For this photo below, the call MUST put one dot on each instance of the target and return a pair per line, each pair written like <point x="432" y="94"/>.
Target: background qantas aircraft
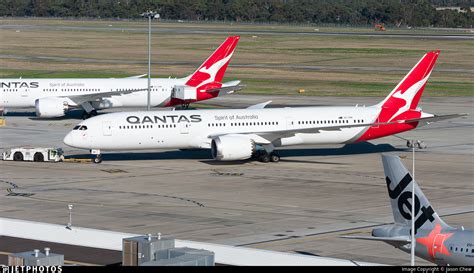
<point x="54" y="97"/>
<point x="436" y="241"/>
<point x="237" y="134"/>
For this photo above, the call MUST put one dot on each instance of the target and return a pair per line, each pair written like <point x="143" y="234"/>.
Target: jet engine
<point x="51" y="107"/>
<point x="232" y="147"/>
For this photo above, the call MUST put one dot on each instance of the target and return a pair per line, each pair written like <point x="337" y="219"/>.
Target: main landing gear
<point x="265" y="157"/>
<point x="420" y="144"/>
<point x="414" y="143"/>
<point x="86" y="115"/>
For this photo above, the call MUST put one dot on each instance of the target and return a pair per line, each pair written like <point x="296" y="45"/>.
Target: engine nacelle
<point x="51" y="107"/>
<point x="232" y="147"/>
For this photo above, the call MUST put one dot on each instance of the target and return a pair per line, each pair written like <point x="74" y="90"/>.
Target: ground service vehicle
<point x="34" y="154"/>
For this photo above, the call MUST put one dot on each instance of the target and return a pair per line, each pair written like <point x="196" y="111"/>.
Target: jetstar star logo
<point x="434" y="242"/>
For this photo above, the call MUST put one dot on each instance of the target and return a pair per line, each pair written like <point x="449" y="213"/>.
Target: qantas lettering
<point x="164" y="119"/>
<point x="19" y="84"/>
<point x="404" y="202"/>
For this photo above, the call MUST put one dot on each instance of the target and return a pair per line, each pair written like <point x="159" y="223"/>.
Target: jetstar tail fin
<point x="399" y="185"/>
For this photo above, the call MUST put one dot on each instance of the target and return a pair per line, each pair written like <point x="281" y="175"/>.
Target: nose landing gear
<point x="98" y="156"/>
<point x="97" y="159"/>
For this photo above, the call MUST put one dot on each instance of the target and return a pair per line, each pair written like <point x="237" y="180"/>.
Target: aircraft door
<point x="24" y="92"/>
<point x="184" y="128"/>
<point x="107" y="128"/>
<point x="290" y="123"/>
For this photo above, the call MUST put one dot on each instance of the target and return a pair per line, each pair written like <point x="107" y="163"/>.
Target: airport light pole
<point x="69" y="224"/>
<point x="413" y="239"/>
<point x="150" y="15"/>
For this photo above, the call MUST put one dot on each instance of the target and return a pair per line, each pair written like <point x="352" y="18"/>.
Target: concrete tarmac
<point x="301" y="204"/>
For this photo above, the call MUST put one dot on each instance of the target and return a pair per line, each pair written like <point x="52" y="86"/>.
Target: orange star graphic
<point x="434" y="242"/>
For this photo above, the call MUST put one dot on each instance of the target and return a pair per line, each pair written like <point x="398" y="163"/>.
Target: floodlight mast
<point x="150" y="15"/>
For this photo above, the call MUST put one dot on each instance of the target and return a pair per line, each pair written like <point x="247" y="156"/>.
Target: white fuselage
<point x="22" y="93"/>
<point x="195" y="128"/>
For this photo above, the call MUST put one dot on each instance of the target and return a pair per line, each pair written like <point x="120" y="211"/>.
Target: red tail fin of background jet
<point x="210" y="73"/>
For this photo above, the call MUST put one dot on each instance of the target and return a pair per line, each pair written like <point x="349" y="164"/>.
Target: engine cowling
<point x="51" y="107"/>
<point x="233" y="147"/>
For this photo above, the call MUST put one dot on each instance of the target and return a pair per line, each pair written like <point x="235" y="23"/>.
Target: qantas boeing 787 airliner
<point x="54" y="97"/>
<point x="238" y="134"/>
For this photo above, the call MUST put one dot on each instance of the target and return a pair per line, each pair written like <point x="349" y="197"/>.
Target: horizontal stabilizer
<point x="428" y="120"/>
<point x="260" y="105"/>
<point x="227" y="88"/>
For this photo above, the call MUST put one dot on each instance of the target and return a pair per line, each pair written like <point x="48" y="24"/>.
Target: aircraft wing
<point x="267" y="137"/>
<point x="259" y="105"/>
<point x="397" y="241"/>
<point x="227" y="88"/>
<point x="80" y="99"/>
<point x="136" y="77"/>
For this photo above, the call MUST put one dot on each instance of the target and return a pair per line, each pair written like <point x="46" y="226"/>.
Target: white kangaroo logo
<point x="408" y="95"/>
<point x="213" y="69"/>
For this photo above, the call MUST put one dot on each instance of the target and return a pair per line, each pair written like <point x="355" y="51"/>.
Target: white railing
<point x="112" y="240"/>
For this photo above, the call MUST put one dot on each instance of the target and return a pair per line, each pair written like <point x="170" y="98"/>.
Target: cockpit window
<point x="76" y="127"/>
<point x="83" y="128"/>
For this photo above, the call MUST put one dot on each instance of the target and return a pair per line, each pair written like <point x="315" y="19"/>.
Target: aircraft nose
<point x="69" y="139"/>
